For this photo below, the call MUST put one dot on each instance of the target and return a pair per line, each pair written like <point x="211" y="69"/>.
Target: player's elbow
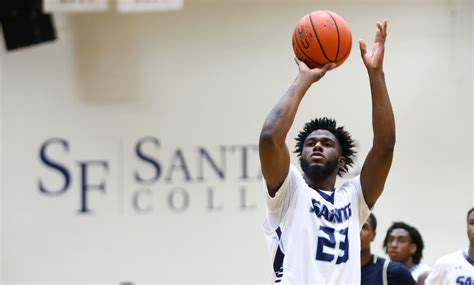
<point x="268" y="136"/>
<point x="390" y="144"/>
<point x="385" y="144"/>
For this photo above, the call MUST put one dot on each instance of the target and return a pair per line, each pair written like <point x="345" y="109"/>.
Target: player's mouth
<point x="392" y="253"/>
<point x="317" y="154"/>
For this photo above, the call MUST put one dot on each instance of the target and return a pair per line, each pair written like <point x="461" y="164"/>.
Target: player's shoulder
<point x="295" y="173"/>
<point x="397" y="267"/>
<point x="449" y="258"/>
<point x="399" y="274"/>
<point x="421" y="268"/>
<point x="294" y="176"/>
<point x="351" y="183"/>
<point x="294" y="170"/>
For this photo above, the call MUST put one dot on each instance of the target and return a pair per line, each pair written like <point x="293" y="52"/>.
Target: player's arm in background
<point x="422" y="278"/>
<point x="379" y="159"/>
<point x="273" y="151"/>
<point x="438" y="275"/>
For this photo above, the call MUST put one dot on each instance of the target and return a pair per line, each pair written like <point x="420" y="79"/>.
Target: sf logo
<point x="84" y="169"/>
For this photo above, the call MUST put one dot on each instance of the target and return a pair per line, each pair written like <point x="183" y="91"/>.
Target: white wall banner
<point x="127" y="6"/>
<point x="75" y="5"/>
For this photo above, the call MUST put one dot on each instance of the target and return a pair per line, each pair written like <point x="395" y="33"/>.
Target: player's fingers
<point x="382" y="28"/>
<point x="363" y="47"/>
<point x="297" y="61"/>
<point x="328" y="66"/>
<point x="385" y="25"/>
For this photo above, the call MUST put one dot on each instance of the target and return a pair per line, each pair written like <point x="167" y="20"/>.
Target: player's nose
<point x="393" y="243"/>
<point x="318" y="146"/>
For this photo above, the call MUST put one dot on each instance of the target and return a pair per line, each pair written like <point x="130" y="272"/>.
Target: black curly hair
<point x="372" y="220"/>
<point x="469" y="212"/>
<point x="344" y="138"/>
<point x="415" y="238"/>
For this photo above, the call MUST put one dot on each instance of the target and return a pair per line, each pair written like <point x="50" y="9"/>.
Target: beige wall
<point x="206" y="77"/>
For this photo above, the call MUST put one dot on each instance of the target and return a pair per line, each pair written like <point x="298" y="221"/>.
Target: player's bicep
<point x="275" y="163"/>
<point x="374" y="174"/>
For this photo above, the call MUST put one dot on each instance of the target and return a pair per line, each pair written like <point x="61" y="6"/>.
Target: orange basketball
<point x="322" y="37"/>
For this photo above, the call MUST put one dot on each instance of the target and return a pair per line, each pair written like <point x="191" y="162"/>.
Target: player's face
<point x="367" y="235"/>
<point x="400" y="246"/>
<point x="470" y="228"/>
<point x="321" y="154"/>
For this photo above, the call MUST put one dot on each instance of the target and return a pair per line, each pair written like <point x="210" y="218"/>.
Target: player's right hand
<point x="313" y="75"/>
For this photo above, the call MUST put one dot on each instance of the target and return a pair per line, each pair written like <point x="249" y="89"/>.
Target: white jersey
<point x="314" y="235"/>
<point x="452" y="269"/>
<point x="418" y="269"/>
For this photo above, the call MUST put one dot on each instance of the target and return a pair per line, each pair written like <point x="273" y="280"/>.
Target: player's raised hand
<point x="373" y="59"/>
<point x="313" y="75"/>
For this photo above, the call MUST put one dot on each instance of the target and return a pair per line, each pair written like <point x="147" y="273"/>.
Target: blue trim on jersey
<point x="278" y="261"/>
<point x="278" y="232"/>
<point x="329" y="198"/>
<point x="468" y="259"/>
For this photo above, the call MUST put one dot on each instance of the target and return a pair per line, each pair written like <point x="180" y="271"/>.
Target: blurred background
<point x="130" y="129"/>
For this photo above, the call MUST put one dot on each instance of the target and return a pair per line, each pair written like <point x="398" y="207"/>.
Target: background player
<point x="403" y="243"/>
<point x="376" y="270"/>
<point x="457" y="267"/>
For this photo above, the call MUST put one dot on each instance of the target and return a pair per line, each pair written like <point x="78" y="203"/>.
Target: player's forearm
<point x="279" y="120"/>
<point x="383" y="121"/>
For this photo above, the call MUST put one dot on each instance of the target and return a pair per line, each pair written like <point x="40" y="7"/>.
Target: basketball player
<point x="376" y="270"/>
<point x="457" y="267"/>
<point x="403" y="243"/>
<point x="313" y="226"/>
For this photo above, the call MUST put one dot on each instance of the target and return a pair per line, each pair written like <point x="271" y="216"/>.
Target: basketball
<point x="322" y="37"/>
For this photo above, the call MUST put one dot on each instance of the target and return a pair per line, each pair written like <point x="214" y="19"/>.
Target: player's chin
<point x="317" y="161"/>
<point x="393" y="255"/>
<point x="471" y="236"/>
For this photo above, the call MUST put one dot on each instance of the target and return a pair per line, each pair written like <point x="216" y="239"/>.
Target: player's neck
<point x="470" y="251"/>
<point x="408" y="263"/>
<point x="365" y="257"/>
<point x="322" y="183"/>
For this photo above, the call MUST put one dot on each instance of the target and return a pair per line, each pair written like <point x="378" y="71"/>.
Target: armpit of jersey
<point x="285" y="192"/>
<point x="277" y="206"/>
<point x="364" y="211"/>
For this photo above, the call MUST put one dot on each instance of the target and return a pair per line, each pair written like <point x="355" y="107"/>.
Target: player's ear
<point x="413" y="248"/>
<point x="373" y="236"/>
<point x="341" y="162"/>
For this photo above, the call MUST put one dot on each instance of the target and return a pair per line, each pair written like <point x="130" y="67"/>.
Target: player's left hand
<point x="373" y="59"/>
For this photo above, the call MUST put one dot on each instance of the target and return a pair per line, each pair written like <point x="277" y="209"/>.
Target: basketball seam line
<point x="347" y="52"/>
<point x="319" y="42"/>
<point x="338" y="37"/>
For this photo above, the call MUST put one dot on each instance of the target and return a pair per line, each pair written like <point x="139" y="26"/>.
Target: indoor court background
<point x="155" y="118"/>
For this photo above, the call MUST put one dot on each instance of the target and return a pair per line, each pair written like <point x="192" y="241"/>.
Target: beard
<point x="318" y="171"/>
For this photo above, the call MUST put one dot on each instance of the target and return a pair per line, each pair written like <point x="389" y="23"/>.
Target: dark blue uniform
<point x="397" y="274"/>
